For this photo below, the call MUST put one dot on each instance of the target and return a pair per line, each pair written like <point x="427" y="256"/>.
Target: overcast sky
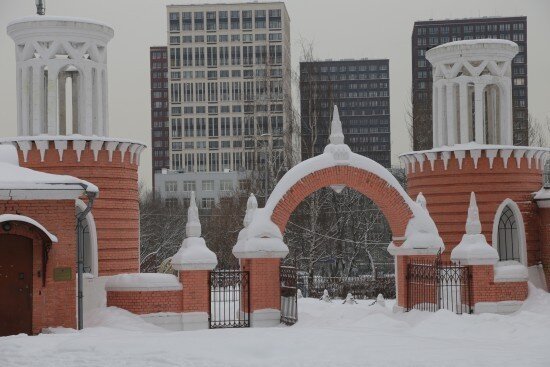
<point x="339" y="29"/>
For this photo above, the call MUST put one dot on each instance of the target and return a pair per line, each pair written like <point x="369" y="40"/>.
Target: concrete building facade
<point x="229" y="87"/>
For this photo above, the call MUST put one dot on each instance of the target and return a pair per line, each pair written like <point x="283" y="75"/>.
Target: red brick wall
<point x="484" y="289"/>
<point x="265" y="286"/>
<point x="144" y="302"/>
<point x="196" y="290"/>
<point x="545" y="241"/>
<point x="55" y="303"/>
<point x="448" y="194"/>
<point x="386" y="197"/>
<point x="116" y="211"/>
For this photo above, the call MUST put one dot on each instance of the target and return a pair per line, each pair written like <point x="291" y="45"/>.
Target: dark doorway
<point x="15" y="284"/>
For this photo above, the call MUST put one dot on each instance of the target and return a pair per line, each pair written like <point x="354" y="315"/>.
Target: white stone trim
<point x="476" y="154"/>
<point x="502" y="308"/>
<point x="25" y="146"/>
<point x="93" y="237"/>
<point x="420" y="159"/>
<point x="460" y="155"/>
<point x="29" y="220"/>
<point x="122" y="147"/>
<point x="505" y="154"/>
<point x="96" y="145"/>
<point x="42" y="146"/>
<point x="431" y="157"/>
<point x="79" y="146"/>
<point x="521" y="228"/>
<point x="518" y="154"/>
<point x="491" y="155"/>
<point x="60" y="146"/>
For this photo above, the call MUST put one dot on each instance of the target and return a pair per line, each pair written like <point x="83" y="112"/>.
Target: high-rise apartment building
<point x="361" y="90"/>
<point x="229" y="87"/>
<point x="158" y="61"/>
<point x="431" y="33"/>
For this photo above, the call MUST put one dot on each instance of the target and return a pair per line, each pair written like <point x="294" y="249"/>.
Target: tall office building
<point x="361" y="90"/>
<point x="158" y="62"/>
<point x="428" y="34"/>
<point x="229" y="87"/>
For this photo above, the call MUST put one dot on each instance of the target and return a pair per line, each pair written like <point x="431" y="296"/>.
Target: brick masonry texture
<point x="116" y="210"/>
<point x="144" y="302"/>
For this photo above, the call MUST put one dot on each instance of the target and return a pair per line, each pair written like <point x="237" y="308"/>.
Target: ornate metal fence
<point x="433" y="285"/>
<point x="289" y="295"/>
<point x="229" y="299"/>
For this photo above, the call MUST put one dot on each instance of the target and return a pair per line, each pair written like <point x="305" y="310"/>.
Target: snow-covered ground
<point x="328" y="334"/>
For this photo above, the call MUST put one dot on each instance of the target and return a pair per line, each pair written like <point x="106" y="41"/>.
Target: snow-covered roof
<point x="484" y="41"/>
<point x="22" y="218"/>
<point x="24" y="183"/>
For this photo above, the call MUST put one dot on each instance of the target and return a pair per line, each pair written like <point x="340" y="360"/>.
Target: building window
<point x="509" y="234"/>
<point x="208" y="185"/>
<point x="207" y="203"/>
<point x="226" y="185"/>
<point x="189" y="186"/>
<point x="171" y="186"/>
<point x="171" y="202"/>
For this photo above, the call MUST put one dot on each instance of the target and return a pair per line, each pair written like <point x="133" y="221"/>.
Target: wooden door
<point x="15" y="284"/>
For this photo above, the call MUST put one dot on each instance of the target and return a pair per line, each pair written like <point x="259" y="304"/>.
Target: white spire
<point x="193" y="226"/>
<point x="251" y="206"/>
<point x="336" y="134"/>
<point x="473" y="225"/>
<point x="421" y="200"/>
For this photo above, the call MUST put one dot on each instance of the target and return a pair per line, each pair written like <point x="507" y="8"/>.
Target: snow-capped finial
<point x="421" y="200"/>
<point x="336" y="134"/>
<point x="251" y="206"/>
<point x="193" y="226"/>
<point x="473" y="225"/>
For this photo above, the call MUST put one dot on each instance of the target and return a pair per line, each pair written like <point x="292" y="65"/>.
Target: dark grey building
<point x="361" y="90"/>
<point x="158" y="62"/>
<point x="431" y="33"/>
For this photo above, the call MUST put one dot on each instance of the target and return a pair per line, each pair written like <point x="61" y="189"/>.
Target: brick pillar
<point x="196" y="290"/>
<point x="265" y="290"/>
<point x="545" y="241"/>
<point x="401" y="281"/>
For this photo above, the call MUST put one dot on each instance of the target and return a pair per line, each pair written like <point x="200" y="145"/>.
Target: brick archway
<point x="390" y="201"/>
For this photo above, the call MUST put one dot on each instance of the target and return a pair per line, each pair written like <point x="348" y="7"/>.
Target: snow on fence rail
<point x="362" y="287"/>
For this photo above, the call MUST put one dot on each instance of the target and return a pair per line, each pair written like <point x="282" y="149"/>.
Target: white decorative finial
<point x="421" y="200"/>
<point x="193" y="226"/>
<point x="473" y="225"/>
<point x="336" y="134"/>
<point x="251" y="206"/>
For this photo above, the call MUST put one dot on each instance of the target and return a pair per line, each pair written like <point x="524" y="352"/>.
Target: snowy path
<point x="326" y="335"/>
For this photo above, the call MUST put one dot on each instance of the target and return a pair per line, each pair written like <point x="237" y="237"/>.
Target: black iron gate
<point x="229" y="299"/>
<point x="289" y="295"/>
<point x="434" y="284"/>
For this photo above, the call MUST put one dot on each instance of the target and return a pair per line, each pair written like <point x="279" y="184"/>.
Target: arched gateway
<point x="413" y="230"/>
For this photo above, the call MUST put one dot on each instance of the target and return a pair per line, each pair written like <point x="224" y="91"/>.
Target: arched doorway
<point x="15" y="284"/>
<point x="24" y="248"/>
<point x="413" y="230"/>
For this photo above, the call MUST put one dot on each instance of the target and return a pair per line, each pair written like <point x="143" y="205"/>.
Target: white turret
<point x="61" y="61"/>
<point x="193" y="253"/>
<point x="474" y="249"/>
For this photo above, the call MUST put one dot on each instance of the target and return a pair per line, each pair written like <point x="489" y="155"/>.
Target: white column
<point x="25" y="100"/>
<point x="88" y="102"/>
<point x="451" y="113"/>
<point x="104" y="97"/>
<point x="440" y="114"/>
<point x="492" y="116"/>
<point x="99" y="103"/>
<point x="52" y="101"/>
<point x="464" y="113"/>
<point x="37" y="99"/>
<point x="18" y="82"/>
<point x="435" y="122"/>
<point x="478" y="109"/>
<point x="76" y="81"/>
<point x="506" y="128"/>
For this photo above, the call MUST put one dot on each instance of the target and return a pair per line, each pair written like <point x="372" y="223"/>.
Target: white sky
<point x="338" y="29"/>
